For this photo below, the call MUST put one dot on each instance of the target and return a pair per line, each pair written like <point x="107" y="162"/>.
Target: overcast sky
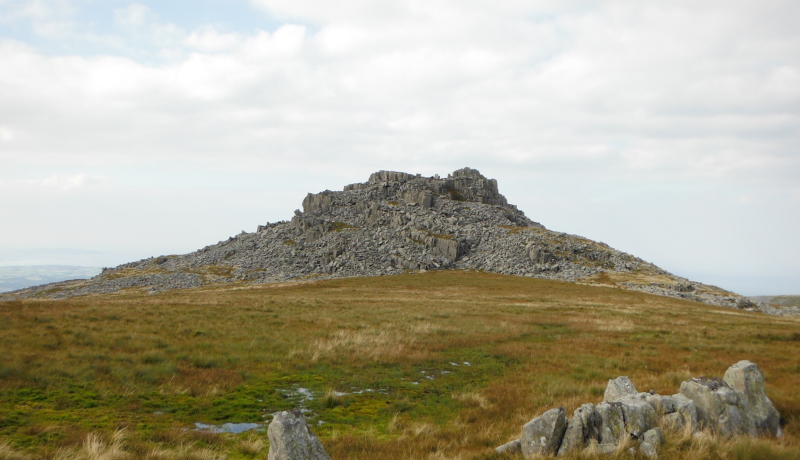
<point x="669" y="130"/>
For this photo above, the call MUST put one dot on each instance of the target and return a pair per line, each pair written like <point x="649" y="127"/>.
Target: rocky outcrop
<point x="735" y="405"/>
<point x="291" y="439"/>
<point x="543" y="435"/>
<point x="394" y="222"/>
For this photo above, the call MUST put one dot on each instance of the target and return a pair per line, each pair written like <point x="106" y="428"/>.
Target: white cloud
<point x="5" y="134"/>
<point x="649" y="94"/>
<point x="210" y="40"/>
<point x="135" y="16"/>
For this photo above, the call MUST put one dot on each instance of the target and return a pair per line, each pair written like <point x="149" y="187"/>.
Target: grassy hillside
<point x="781" y="300"/>
<point x="441" y="365"/>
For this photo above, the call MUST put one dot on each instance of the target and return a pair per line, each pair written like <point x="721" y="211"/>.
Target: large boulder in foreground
<point x="581" y="429"/>
<point x="762" y="418"/>
<point x="291" y="439"/>
<point x="543" y="435"/>
<point x="736" y="404"/>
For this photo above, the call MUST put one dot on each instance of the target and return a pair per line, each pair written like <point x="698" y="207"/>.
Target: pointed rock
<point x="543" y="435"/>
<point x="291" y="439"/>
<point x="619" y="388"/>
<point x="762" y="418"/>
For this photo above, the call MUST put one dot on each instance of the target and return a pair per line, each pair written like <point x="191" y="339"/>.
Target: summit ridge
<point x="395" y="222"/>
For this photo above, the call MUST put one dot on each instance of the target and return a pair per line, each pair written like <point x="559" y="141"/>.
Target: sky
<point x="668" y="130"/>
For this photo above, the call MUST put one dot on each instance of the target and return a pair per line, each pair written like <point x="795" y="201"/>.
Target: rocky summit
<point x="396" y="222"/>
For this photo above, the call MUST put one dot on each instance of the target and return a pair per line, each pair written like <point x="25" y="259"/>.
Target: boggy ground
<point x="438" y="365"/>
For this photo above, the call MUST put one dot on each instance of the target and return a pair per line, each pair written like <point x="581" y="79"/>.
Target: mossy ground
<point x="437" y="365"/>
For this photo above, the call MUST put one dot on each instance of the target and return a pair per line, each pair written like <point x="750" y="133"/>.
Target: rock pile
<point x="394" y="222"/>
<point x="733" y="405"/>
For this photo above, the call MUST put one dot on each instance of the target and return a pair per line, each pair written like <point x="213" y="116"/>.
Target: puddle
<point x="306" y="393"/>
<point x="229" y="427"/>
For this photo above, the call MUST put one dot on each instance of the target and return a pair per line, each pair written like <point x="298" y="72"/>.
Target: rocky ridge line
<point x="394" y="222"/>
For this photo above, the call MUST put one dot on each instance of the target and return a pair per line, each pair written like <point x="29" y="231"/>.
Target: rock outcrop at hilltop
<point x="394" y="222"/>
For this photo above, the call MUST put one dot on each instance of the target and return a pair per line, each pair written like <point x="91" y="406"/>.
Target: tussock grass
<point x="417" y="366"/>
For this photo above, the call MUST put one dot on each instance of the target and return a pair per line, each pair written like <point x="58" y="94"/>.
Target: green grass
<point x="364" y="350"/>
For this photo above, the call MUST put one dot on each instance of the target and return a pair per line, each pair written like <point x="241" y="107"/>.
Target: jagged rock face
<point x="291" y="439"/>
<point x="394" y="222"/>
<point x="543" y="435"/>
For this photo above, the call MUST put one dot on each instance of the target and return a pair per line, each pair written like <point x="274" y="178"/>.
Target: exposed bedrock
<point x="394" y="222"/>
<point x="735" y="405"/>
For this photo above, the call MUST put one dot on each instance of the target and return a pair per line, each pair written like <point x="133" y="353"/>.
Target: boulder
<point x="638" y="415"/>
<point x="654" y="437"/>
<point x="581" y="429"/>
<point x="513" y="447"/>
<point x="627" y="417"/>
<point x="661" y="404"/>
<point x="619" y="388"/>
<point x="687" y="410"/>
<point x="648" y="450"/>
<point x="543" y="435"/>
<point x="611" y="422"/>
<point x="718" y="405"/>
<point x="291" y="439"/>
<point x="762" y="418"/>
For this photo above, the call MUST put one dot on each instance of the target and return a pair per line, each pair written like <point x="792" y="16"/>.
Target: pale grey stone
<point x="648" y="450"/>
<point x="543" y="435"/>
<point x="618" y="388"/>
<point x="639" y="416"/>
<point x="512" y="447"/>
<point x="612" y="422"/>
<point x="762" y="418"/>
<point x="718" y="405"/>
<point x="291" y="439"/>
<point x="581" y="428"/>
<point x="654" y="437"/>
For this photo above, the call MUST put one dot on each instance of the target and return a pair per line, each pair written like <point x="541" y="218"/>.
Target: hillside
<point x="437" y="365"/>
<point x="392" y="223"/>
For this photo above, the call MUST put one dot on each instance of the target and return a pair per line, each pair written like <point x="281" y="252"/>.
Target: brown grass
<point x="100" y="361"/>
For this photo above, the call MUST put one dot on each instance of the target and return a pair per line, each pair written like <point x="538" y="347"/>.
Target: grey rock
<point x="673" y="421"/>
<point x="661" y="404"/>
<point x="290" y="439"/>
<point x="648" y="450"/>
<point x="612" y="422"/>
<point x="619" y="388"/>
<point x="762" y="418"/>
<point x="654" y="437"/>
<point x="581" y="429"/>
<point x="719" y="407"/>
<point x="543" y="435"/>
<point x="687" y="409"/>
<point x="513" y="447"/>
<point x="639" y="416"/>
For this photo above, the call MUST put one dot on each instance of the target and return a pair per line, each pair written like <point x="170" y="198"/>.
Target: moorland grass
<point x="441" y="365"/>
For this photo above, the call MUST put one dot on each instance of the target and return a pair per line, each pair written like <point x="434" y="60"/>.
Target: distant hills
<point x="20" y="277"/>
